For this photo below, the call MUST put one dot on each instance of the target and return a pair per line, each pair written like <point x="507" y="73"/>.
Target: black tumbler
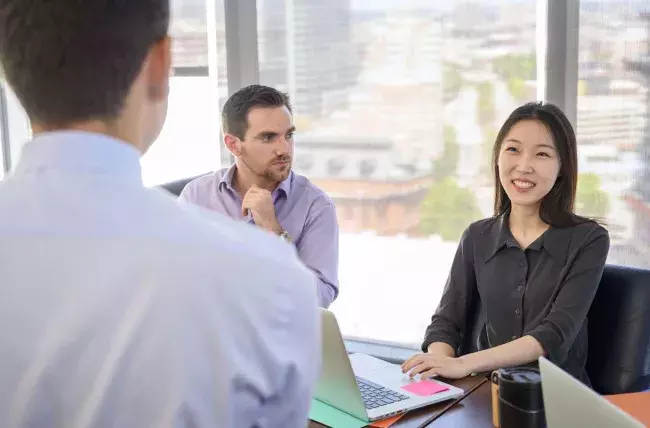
<point x="521" y="404"/>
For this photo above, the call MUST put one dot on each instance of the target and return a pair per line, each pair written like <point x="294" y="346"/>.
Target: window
<point x="17" y="129"/>
<point x="303" y="164"/>
<point x="335" y="166"/>
<point x="190" y="142"/>
<point x="613" y="129"/>
<point x="410" y="95"/>
<point x="367" y="167"/>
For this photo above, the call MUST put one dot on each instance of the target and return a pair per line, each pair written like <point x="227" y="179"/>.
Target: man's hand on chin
<point x="260" y="204"/>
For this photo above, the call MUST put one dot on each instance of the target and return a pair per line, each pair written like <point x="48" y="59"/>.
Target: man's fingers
<point x="249" y="202"/>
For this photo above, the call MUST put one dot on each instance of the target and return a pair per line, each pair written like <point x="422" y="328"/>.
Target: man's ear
<point x="159" y="69"/>
<point x="233" y="144"/>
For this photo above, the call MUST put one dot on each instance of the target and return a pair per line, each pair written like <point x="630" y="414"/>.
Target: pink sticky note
<point x="425" y="387"/>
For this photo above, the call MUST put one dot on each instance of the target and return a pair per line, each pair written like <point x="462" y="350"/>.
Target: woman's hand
<point x="431" y="365"/>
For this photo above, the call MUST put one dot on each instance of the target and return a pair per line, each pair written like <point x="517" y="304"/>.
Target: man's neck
<point x="243" y="179"/>
<point x="94" y="127"/>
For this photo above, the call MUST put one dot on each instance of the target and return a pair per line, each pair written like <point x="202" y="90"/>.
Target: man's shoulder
<point x="209" y="180"/>
<point x="211" y="227"/>
<point x="308" y="189"/>
<point x="211" y="241"/>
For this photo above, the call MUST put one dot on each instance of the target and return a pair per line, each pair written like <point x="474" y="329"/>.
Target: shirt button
<point x="520" y="288"/>
<point x="522" y="263"/>
<point x="517" y="311"/>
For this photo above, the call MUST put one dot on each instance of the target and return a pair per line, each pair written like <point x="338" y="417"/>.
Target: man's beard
<point x="267" y="173"/>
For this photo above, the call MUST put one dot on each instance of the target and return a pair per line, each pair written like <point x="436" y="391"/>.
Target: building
<point x="639" y="198"/>
<point x="306" y="49"/>
<point x="399" y="89"/>
<point x="616" y="120"/>
<point x="369" y="190"/>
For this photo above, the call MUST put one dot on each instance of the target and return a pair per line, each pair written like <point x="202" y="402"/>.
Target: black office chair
<point x="619" y="332"/>
<point x="176" y="187"/>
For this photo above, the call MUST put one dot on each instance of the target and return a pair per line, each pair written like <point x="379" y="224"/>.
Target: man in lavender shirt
<point x="261" y="188"/>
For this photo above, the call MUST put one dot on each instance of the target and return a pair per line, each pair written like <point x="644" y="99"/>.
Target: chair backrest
<point x="619" y="332"/>
<point x="176" y="187"/>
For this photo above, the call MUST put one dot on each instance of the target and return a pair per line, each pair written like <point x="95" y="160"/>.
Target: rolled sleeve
<point x="318" y="249"/>
<point x="449" y="322"/>
<point x="557" y="332"/>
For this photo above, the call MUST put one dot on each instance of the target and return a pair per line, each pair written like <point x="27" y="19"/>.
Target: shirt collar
<point x="80" y="152"/>
<point x="226" y="180"/>
<point x="555" y="240"/>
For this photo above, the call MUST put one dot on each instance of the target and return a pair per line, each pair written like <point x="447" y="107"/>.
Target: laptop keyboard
<point x="376" y="395"/>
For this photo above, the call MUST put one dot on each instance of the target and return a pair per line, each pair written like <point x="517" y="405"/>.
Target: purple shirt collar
<point x="284" y="186"/>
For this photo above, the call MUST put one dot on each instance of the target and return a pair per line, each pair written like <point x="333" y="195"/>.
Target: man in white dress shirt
<point x="120" y="308"/>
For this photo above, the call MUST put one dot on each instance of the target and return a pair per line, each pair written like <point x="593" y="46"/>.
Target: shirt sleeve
<point x="558" y="330"/>
<point x="318" y="249"/>
<point x="299" y="350"/>
<point x="448" y="324"/>
<point x="255" y="352"/>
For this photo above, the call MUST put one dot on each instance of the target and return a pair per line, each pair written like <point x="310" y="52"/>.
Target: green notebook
<point x="332" y="417"/>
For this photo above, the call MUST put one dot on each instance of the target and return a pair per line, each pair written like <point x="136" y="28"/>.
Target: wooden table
<point x="474" y="411"/>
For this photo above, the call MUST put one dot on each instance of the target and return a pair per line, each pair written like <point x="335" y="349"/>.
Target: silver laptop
<point x="569" y="403"/>
<point x="363" y="386"/>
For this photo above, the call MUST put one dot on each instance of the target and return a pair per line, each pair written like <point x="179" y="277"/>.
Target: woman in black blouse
<point x="535" y="265"/>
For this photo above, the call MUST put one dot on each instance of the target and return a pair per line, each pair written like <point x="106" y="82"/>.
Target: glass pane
<point x="613" y="128"/>
<point x="189" y="144"/>
<point x="397" y="105"/>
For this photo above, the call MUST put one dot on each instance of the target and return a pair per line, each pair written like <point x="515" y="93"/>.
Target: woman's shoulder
<point x="484" y="226"/>
<point x="588" y="229"/>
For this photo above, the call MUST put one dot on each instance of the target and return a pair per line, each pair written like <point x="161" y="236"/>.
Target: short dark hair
<point x="71" y="61"/>
<point x="234" y="115"/>
<point x="557" y="206"/>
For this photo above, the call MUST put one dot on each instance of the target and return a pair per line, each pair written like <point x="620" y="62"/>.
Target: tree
<point x="591" y="199"/>
<point x="447" y="163"/>
<point x="489" y="138"/>
<point x="517" y="88"/>
<point x="485" y="102"/>
<point x="447" y="210"/>
<point x="582" y="88"/>
<point x="516" y="65"/>
<point x="452" y="82"/>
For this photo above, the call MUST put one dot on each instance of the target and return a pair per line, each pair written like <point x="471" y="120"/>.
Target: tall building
<point x="306" y="49"/>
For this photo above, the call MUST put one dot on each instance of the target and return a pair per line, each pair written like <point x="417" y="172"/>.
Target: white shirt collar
<point x="80" y="152"/>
